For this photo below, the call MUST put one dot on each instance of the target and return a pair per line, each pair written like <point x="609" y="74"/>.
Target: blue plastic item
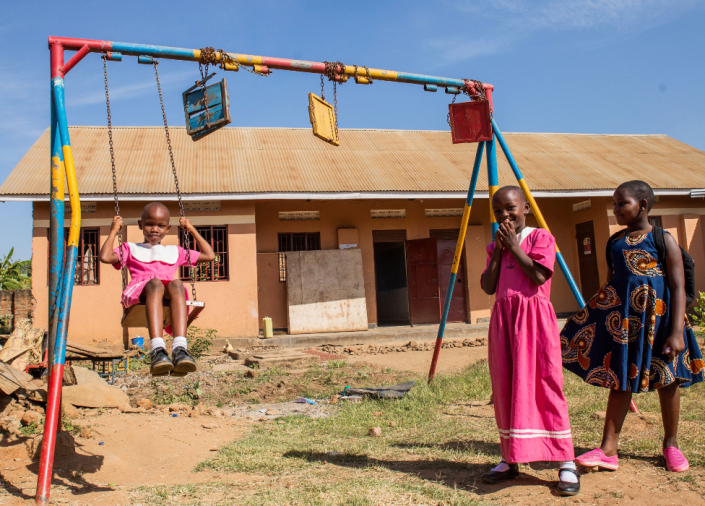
<point x="138" y="341"/>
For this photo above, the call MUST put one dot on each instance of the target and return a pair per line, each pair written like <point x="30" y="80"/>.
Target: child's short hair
<point x="640" y="190"/>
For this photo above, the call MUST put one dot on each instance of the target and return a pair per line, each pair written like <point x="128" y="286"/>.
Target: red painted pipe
<point x="434" y="360"/>
<point x="51" y="425"/>
<point x="57" y="60"/>
<point x="76" y="44"/>
<point x="75" y="59"/>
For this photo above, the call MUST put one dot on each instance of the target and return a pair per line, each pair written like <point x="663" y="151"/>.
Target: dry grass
<point x="433" y="448"/>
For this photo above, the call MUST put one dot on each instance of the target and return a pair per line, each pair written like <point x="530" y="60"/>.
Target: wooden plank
<point x="11" y="379"/>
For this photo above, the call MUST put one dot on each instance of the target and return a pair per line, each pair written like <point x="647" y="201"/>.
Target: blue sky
<point x="597" y="66"/>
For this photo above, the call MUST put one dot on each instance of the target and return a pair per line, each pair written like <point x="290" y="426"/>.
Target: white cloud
<point x="514" y="20"/>
<point x="128" y="91"/>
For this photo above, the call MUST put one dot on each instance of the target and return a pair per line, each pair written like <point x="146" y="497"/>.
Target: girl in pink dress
<point x="152" y="268"/>
<point x="524" y="346"/>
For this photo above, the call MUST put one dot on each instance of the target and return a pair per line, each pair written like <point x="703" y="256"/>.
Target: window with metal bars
<point x="217" y="270"/>
<point x="310" y="241"/>
<point x="87" y="263"/>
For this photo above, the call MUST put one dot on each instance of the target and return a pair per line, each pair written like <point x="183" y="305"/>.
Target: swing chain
<point x="207" y="57"/>
<point x="367" y="72"/>
<point x="332" y="72"/>
<point x="187" y="236"/>
<point x="123" y="271"/>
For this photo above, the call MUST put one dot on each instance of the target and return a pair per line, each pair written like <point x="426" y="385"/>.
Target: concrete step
<point x="377" y="335"/>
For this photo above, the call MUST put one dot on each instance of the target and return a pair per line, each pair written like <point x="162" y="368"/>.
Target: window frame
<point x="222" y="258"/>
<point x="312" y="241"/>
<point x="79" y="273"/>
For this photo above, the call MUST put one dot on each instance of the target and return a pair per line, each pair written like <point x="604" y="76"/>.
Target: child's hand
<point x="674" y="346"/>
<point x="508" y="235"/>
<point x="185" y="223"/>
<point x="498" y="244"/>
<point x="116" y="225"/>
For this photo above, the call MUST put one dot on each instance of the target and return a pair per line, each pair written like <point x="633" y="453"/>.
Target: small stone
<point x="599" y="415"/>
<point x="210" y="425"/>
<point x="144" y="403"/>
<point x="252" y="374"/>
<point x="195" y="413"/>
<point x="130" y="409"/>
<point x="165" y="410"/>
<point x="375" y="432"/>
<point x="272" y="412"/>
<point x="215" y="412"/>
<point x="30" y="417"/>
<point x="214" y="449"/>
<point x="377" y="413"/>
<point x="334" y="399"/>
<point x="392" y="424"/>
<point x="85" y="434"/>
<point x="412" y="344"/>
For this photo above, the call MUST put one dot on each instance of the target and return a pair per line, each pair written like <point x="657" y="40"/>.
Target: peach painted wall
<point x="356" y="214"/>
<point x="231" y="306"/>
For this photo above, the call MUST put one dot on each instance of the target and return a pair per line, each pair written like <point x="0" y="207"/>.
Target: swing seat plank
<point x="136" y="316"/>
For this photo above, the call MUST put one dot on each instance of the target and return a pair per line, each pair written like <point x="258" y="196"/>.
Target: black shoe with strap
<point x="499" y="476"/>
<point x="161" y="363"/>
<point x="183" y="362"/>
<point x="566" y="487"/>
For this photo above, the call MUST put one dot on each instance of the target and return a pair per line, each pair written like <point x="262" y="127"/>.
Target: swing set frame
<point x="62" y="264"/>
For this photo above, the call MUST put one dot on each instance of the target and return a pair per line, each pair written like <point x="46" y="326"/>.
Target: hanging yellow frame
<point x="323" y="119"/>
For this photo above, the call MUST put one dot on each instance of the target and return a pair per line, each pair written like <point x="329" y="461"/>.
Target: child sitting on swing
<point x="152" y="268"/>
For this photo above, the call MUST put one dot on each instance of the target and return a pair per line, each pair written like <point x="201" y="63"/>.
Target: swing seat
<point x="470" y="121"/>
<point x="136" y="316"/>
<point x="195" y="109"/>
<point x="323" y="120"/>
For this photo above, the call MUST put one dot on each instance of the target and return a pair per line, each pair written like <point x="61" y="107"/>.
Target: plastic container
<point x="138" y="341"/>
<point x="267" y="327"/>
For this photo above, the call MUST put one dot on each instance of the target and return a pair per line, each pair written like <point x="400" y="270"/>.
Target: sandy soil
<point x="145" y="450"/>
<point x="449" y="360"/>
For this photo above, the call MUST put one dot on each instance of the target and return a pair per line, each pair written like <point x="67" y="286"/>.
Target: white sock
<point x="179" y="342"/>
<point x="157" y="342"/>
<point x="501" y="467"/>
<point x="565" y="475"/>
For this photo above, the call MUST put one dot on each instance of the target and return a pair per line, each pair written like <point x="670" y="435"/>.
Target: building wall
<point x="235" y="308"/>
<point x="231" y="306"/>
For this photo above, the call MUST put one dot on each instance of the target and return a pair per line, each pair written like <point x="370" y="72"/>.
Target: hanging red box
<point x="470" y="121"/>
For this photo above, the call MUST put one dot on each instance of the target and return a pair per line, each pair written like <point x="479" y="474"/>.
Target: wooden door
<point x="458" y="309"/>
<point x="424" y="292"/>
<point x="587" y="253"/>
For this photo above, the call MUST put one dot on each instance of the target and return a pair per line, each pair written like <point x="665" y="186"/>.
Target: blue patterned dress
<point x="616" y="340"/>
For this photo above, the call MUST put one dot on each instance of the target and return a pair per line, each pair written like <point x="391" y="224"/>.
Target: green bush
<point x="697" y="316"/>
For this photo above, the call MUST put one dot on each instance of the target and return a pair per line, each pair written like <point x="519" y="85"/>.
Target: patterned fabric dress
<point x="616" y="340"/>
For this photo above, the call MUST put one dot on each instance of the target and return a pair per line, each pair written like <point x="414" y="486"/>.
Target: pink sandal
<point x="597" y="458"/>
<point x="675" y="460"/>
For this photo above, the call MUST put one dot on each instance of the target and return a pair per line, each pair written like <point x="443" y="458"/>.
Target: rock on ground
<point x="94" y="396"/>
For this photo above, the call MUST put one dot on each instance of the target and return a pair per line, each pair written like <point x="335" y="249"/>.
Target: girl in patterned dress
<point x="524" y="346"/>
<point x="633" y="335"/>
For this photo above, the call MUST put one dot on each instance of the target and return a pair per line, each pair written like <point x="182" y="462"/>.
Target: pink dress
<point x="525" y="360"/>
<point x="146" y="262"/>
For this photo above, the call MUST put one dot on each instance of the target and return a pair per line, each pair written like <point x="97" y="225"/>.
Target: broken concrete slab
<point x="94" y="396"/>
<point x="87" y="377"/>
<point x="282" y="359"/>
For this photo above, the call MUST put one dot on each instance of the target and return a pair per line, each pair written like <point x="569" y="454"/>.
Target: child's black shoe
<point x="183" y="362"/>
<point x="499" y="476"/>
<point x="161" y="363"/>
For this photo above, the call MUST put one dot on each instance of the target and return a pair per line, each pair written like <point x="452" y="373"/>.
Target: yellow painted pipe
<point x="75" y="229"/>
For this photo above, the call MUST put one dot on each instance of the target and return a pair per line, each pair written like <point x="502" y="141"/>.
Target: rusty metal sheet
<point x="265" y="160"/>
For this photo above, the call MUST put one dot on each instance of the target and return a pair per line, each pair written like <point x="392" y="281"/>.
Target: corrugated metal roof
<point x="280" y="160"/>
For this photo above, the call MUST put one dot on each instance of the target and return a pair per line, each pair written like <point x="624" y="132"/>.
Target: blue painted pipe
<point x="492" y="180"/>
<point x="56" y="230"/>
<point x="457" y="258"/>
<point x="537" y="212"/>
<point x="468" y="202"/>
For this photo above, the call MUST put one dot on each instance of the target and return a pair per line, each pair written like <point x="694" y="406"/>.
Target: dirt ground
<point x="127" y="451"/>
